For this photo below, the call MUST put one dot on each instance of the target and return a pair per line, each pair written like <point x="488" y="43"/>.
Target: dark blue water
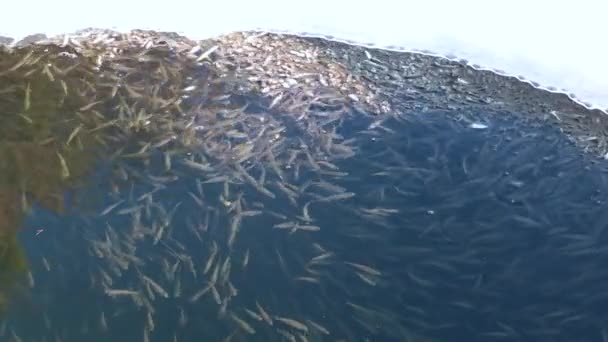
<point x="493" y="234"/>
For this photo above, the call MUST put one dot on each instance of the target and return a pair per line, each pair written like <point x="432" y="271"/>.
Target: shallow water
<point x="555" y="44"/>
<point x="419" y="227"/>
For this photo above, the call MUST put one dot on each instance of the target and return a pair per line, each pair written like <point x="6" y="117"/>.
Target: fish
<point x="276" y="101"/>
<point x="47" y="71"/>
<point x="150" y="321"/>
<point x="285" y="225"/>
<point x="366" y="278"/>
<point x="364" y="268"/>
<point x="197" y="166"/>
<point x="242" y="324"/>
<point x="246" y="259"/>
<point x="111" y="207"/>
<point x="337" y="197"/>
<point x="103" y="325"/>
<point x="159" y="233"/>
<point x="30" y="279"/>
<point x="27" y="103"/>
<point x="130" y="210"/>
<point x="249" y="213"/>
<point x="305" y="227"/>
<point x="225" y="270"/>
<point x="46" y="264"/>
<point x="302" y="337"/>
<point x="198" y="294"/>
<point x="308" y="280"/>
<point x="24" y="203"/>
<point x="74" y="133"/>
<point x="287" y="335"/>
<point x="306" y="213"/>
<point x="253" y="315"/>
<point x="26" y="118"/>
<point x="211" y="259"/>
<point x="216" y="295"/>
<point x="291" y="195"/>
<point x="15" y="337"/>
<point x="318" y="327"/>
<point x="146" y="334"/>
<point x="265" y="316"/>
<point x="207" y="53"/>
<point x="177" y="288"/>
<point x="241" y="170"/>
<point x="233" y="292"/>
<point x="121" y="292"/>
<point x="26" y="59"/>
<point x="167" y="160"/>
<point x="183" y="319"/>
<point x="292" y="323"/>
<point x="216" y="179"/>
<point x="157" y="288"/>
<point x="65" y="172"/>
<point x="64" y="87"/>
<point x="89" y="106"/>
<point x="418" y="280"/>
<point x="235" y="223"/>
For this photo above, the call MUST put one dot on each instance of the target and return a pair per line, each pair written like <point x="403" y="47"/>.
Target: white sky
<point x="558" y="44"/>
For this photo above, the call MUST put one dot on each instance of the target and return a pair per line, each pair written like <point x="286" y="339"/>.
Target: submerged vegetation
<point x="37" y="113"/>
<point x="62" y="112"/>
<point x="12" y="266"/>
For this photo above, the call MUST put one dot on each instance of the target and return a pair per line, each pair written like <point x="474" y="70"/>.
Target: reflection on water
<point x="37" y="113"/>
<point x="155" y="205"/>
